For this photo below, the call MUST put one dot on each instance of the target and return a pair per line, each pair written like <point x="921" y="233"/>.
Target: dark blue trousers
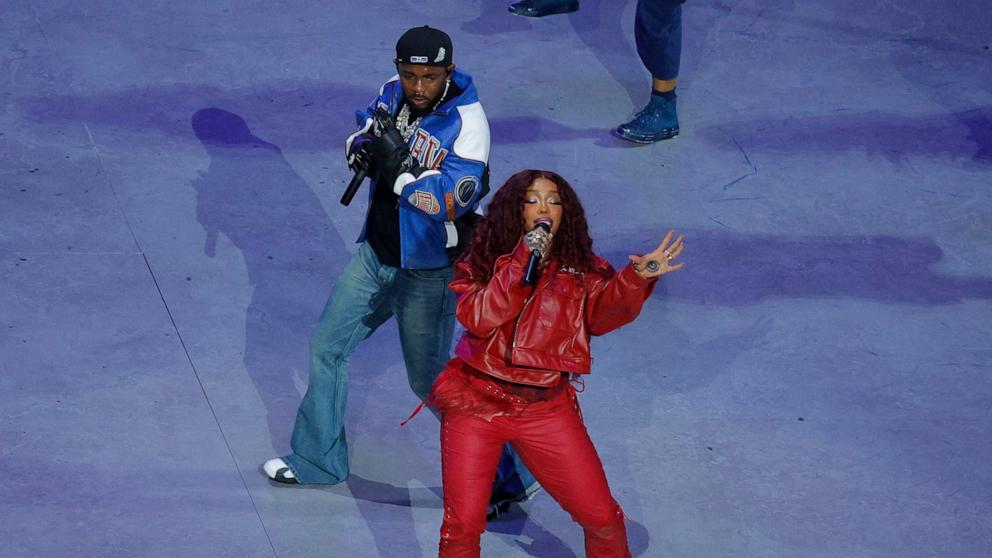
<point x="658" y="32"/>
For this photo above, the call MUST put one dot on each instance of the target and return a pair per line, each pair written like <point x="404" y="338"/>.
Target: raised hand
<point x="662" y="260"/>
<point x="538" y="239"/>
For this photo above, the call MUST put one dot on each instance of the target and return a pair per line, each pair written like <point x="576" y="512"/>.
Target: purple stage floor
<point x="815" y="384"/>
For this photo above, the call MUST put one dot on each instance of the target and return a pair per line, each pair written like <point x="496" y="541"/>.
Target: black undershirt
<point x="382" y="226"/>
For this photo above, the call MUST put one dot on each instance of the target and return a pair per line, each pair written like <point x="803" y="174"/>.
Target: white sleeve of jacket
<point x="369" y="111"/>
<point x="351" y="138"/>
<point x="452" y="190"/>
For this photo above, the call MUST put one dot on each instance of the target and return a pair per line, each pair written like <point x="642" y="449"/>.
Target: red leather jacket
<point x="530" y="335"/>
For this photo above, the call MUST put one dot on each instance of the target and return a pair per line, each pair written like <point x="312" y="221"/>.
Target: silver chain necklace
<point x="404" y="125"/>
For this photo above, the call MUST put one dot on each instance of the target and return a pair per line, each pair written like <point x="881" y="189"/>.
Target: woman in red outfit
<point x="510" y="379"/>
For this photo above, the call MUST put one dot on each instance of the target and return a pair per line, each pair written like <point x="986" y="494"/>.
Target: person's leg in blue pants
<point x="425" y="313"/>
<point x="359" y="304"/>
<point x="658" y="34"/>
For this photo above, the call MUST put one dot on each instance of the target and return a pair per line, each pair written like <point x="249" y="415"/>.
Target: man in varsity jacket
<point x="428" y="160"/>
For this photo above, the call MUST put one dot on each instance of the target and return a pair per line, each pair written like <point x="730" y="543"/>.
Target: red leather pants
<point x="552" y="440"/>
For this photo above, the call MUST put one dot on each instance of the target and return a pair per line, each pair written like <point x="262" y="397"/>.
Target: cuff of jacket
<point x="407" y="178"/>
<point x="512" y="268"/>
<point x="521" y="254"/>
<point x="629" y="276"/>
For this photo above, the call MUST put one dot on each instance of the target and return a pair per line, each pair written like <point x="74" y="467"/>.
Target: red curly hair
<point x="501" y="227"/>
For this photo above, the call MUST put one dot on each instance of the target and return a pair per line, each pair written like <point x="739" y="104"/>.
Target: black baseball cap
<point x="424" y="45"/>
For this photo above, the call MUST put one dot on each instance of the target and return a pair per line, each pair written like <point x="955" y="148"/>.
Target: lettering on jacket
<point x="427" y="149"/>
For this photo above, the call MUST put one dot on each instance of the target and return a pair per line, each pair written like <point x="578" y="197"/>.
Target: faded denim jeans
<point x="366" y="295"/>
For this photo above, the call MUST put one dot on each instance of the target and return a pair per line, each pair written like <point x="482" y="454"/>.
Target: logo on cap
<point x="440" y="55"/>
<point x="418" y="59"/>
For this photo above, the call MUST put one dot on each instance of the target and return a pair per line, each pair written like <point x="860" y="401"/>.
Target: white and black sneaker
<point x="277" y="470"/>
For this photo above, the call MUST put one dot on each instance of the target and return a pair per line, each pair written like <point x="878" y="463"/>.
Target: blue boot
<point x="541" y="8"/>
<point x="657" y="121"/>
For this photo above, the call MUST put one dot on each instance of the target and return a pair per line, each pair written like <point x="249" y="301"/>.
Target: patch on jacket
<point x="424" y="201"/>
<point x="465" y="190"/>
<point x="427" y="150"/>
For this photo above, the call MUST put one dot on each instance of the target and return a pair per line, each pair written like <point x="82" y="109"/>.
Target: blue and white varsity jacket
<point x="452" y="144"/>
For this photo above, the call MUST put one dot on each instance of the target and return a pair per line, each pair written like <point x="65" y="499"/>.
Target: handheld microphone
<point x="356" y="181"/>
<point x="530" y="272"/>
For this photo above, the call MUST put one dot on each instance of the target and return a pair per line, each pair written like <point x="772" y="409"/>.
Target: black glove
<point x="391" y="155"/>
<point x="359" y="157"/>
